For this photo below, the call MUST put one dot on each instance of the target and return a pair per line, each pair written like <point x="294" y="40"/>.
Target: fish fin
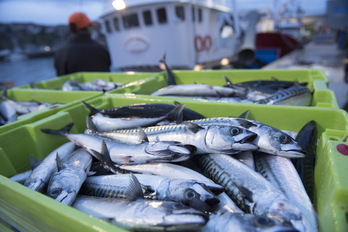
<point x="163" y="60"/>
<point x="90" y="125"/>
<point x="105" y="159"/>
<point x="63" y="131"/>
<point x="174" y="114"/>
<point x="91" y="173"/>
<point x="246" y="192"/>
<point x="143" y="136"/>
<point x="59" y="162"/>
<point x="91" y="108"/>
<point x="244" y="114"/>
<point x="33" y="162"/>
<point x="199" y="205"/>
<point x="134" y="190"/>
<point x="193" y="127"/>
<point x="228" y="82"/>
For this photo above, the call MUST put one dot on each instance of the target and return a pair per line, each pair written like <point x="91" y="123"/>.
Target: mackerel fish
<point x="72" y="172"/>
<point x="269" y="140"/>
<point x="121" y="153"/>
<point x="41" y="175"/>
<point x="281" y="173"/>
<point x="142" y="215"/>
<point x="266" y="199"/>
<point x="206" y="138"/>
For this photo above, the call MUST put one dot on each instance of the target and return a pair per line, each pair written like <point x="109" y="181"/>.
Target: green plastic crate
<point x="317" y="82"/>
<point x="65" y="99"/>
<point x="122" y="77"/>
<point x="331" y="185"/>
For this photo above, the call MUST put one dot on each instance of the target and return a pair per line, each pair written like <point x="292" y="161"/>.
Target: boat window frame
<point x="197" y="14"/>
<point x="125" y="19"/>
<point x="183" y="18"/>
<point x="160" y="22"/>
<point x="143" y="17"/>
<point x="117" y="26"/>
<point x="107" y="26"/>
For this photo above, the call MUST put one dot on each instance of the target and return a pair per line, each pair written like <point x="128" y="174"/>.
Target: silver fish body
<point x="103" y="123"/>
<point x="41" y="175"/>
<point x="21" y="177"/>
<point x="197" y="90"/>
<point x="296" y="95"/>
<point x="142" y="215"/>
<point x="206" y="138"/>
<point x="269" y="140"/>
<point x="66" y="182"/>
<point x="177" y="171"/>
<point x="267" y="199"/>
<point x="8" y="112"/>
<point x="121" y="153"/>
<point x="281" y="173"/>
<point x="240" y="222"/>
<point x="156" y="188"/>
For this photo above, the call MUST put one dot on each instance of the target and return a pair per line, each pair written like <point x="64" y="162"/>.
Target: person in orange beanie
<point x="81" y="53"/>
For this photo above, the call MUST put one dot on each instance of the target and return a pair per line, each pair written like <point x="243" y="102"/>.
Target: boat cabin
<point x="190" y="33"/>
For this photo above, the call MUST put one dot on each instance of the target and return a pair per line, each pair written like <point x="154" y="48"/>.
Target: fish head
<point x="248" y="222"/>
<point x="63" y="187"/>
<point x="177" y="217"/>
<point x="278" y="207"/>
<point x="276" y="142"/>
<point x="170" y="150"/>
<point x="189" y="192"/>
<point x="230" y="139"/>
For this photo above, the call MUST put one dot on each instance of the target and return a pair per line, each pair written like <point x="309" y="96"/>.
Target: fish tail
<point x="91" y="108"/>
<point x="63" y="131"/>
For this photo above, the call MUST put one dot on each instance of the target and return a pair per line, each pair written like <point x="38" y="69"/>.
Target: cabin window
<point x="180" y="12"/>
<point x="200" y="15"/>
<point x="193" y="11"/>
<point x="130" y="21"/>
<point x="117" y="24"/>
<point x="147" y="17"/>
<point x="161" y="15"/>
<point x="107" y="26"/>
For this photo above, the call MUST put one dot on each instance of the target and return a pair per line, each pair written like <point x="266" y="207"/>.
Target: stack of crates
<point x="24" y="208"/>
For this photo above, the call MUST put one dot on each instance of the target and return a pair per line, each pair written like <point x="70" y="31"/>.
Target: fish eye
<point x="284" y="139"/>
<point x="263" y="221"/>
<point x="55" y="192"/>
<point x="190" y="194"/>
<point x="235" y="131"/>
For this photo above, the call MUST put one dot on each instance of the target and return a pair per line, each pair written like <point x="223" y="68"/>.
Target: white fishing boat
<point x="192" y="33"/>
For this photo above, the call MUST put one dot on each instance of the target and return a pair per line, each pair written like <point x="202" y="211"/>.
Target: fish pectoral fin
<point x="193" y="127"/>
<point x="59" y="162"/>
<point x="63" y="131"/>
<point x="142" y="136"/>
<point x="134" y="190"/>
<point x="246" y="192"/>
<point x="90" y="125"/>
<point x="33" y="162"/>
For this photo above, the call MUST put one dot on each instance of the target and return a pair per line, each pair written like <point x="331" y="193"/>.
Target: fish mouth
<point x="293" y="153"/>
<point x="248" y="139"/>
<point x="65" y="197"/>
<point x="36" y="186"/>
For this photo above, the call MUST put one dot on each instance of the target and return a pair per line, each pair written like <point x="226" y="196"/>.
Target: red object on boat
<point x="273" y="40"/>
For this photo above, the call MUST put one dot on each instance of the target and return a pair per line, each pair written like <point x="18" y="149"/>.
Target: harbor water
<point x="26" y="71"/>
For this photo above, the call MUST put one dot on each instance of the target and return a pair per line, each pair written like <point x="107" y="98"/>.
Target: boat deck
<point x="325" y="57"/>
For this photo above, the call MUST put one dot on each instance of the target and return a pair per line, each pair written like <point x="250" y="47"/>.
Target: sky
<point x="56" y="12"/>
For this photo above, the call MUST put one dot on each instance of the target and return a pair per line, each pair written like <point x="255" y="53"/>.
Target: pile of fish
<point x="10" y="109"/>
<point x="164" y="167"/>
<point x="95" y="85"/>
<point x="269" y="92"/>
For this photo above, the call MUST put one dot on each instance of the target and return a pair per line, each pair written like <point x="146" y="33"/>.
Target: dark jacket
<point x="82" y="54"/>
